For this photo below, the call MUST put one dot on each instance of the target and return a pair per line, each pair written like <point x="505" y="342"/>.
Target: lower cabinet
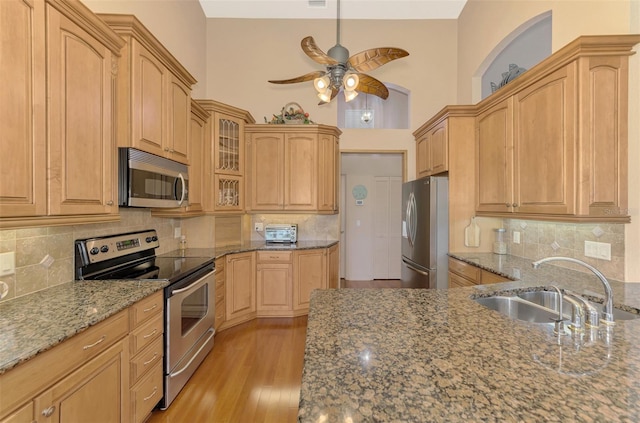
<point x="240" y="288"/>
<point x="220" y="308"/>
<point x="274" y="280"/>
<point x="112" y="372"/>
<point x="464" y="274"/>
<point x="310" y="272"/>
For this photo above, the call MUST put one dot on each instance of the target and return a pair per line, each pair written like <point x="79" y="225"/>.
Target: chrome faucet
<point x="559" y="322"/>
<point x="607" y="313"/>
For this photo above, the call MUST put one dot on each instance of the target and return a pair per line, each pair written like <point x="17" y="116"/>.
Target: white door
<point x="387" y="227"/>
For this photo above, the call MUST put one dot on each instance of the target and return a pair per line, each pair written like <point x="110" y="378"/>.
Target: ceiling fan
<point x="344" y="72"/>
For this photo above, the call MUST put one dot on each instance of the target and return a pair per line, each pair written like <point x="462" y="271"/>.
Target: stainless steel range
<point x="189" y="297"/>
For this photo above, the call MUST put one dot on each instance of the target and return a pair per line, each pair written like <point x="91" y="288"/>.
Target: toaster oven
<point x="281" y="233"/>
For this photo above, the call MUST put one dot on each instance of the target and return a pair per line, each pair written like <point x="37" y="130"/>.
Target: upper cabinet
<point x="154" y="93"/>
<point x="225" y="163"/>
<point x="293" y="168"/>
<point x="60" y="59"/>
<point x="552" y="144"/>
<point x="432" y="148"/>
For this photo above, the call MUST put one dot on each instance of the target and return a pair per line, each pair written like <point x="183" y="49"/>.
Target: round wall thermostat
<point x="359" y="192"/>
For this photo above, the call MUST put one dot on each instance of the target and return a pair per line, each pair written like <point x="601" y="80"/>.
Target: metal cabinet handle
<point x="155" y="389"/>
<point x="146" y="310"/>
<point x="151" y="359"/>
<point x="102" y="338"/>
<point x="48" y="412"/>
<point x="149" y="335"/>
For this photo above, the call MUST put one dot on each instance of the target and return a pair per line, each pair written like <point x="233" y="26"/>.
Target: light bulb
<point x="366" y="116"/>
<point x="321" y="84"/>
<point x="351" y="81"/>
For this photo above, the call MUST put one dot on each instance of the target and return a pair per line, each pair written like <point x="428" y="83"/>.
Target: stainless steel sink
<point x="517" y="308"/>
<point x="549" y="299"/>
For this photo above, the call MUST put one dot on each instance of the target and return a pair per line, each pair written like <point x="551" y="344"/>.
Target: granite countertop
<point x="403" y="355"/>
<point x="37" y="322"/>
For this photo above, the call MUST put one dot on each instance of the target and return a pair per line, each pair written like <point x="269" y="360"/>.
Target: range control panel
<point x="93" y="250"/>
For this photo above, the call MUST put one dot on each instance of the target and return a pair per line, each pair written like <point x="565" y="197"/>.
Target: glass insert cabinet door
<point x="228" y="194"/>
<point x="228" y="152"/>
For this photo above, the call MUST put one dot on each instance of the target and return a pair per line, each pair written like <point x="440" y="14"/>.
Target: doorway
<point x="370" y="217"/>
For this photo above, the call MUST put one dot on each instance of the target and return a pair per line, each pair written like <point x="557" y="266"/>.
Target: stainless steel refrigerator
<point x="425" y="232"/>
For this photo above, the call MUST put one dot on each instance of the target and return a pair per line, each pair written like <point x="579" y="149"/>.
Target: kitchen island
<point x="437" y="355"/>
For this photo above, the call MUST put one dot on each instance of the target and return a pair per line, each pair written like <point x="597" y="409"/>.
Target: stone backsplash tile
<point x="32" y="245"/>
<point x="311" y="227"/>
<point x="543" y="239"/>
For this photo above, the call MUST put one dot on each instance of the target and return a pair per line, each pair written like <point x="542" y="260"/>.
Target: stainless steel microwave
<point x="147" y="180"/>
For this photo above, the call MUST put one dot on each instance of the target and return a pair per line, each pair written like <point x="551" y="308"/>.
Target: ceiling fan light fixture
<point x="325" y="95"/>
<point x="350" y="95"/>
<point x="351" y="81"/>
<point x="321" y="84"/>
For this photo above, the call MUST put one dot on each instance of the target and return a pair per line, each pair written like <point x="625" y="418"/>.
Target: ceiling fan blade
<point x="306" y="77"/>
<point x="311" y="49"/>
<point x="370" y="85"/>
<point x="334" y="93"/>
<point x="368" y="60"/>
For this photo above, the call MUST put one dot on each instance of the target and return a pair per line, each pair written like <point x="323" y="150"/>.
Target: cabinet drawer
<point x="27" y="379"/>
<point x="457" y="281"/>
<point x="146" y="308"/>
<point x="489" y="277"/>
<point x="464" y="269"/>
<point x="146" y="359"/>
<point x="146" y="394"/>
<point x="274" y="256"/>
<point x="145" y="334"/>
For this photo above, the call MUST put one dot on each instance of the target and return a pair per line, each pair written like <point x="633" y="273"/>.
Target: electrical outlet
<point x="599" y="250"/>
<point x="258" y="226"/>
<point x="516" y="237"/>
<point x="7" y="263"/>
<point x="177" y="232"/>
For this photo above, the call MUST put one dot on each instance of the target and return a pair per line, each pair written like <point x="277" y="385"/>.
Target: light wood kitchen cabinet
<point x="22" y="415"/>
<point x="274" y="282"/>
<point x="309" y="273"/>
<point x="146" y="348"/>
<point x="220" y="308"/>
<point x="463" y="274"/>
<point x="86" y="378"/>
<point x="553" y="143"/>
<point x="225" y="153"/>
<point x="293" y="168"/>
<point x="333" y="266"/>
<point x="64" y="47"/>
<point x="240" y="284"/>
<point x="452" y="131"/>
<point x="154" y="93"/>
<point x="432" y="149"/>
<point x="197" y="167"/>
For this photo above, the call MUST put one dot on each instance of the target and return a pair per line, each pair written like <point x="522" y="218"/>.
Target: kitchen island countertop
<point x="391" y="355"/>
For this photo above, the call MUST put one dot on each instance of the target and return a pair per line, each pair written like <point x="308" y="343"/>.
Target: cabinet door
<point x="179" y="113"/>
<point x="196" y="163"/>
<point x="333" y="267"/>
<point x="81" y="82"/>
<point x="423" y="156"/>
<point x="267" y="171"/>
<point x="310" y="272"/>
<point x="544" y="116"/>
<point x="22" y="109"/>
<point x="93" y="393"/>
<point x="274" y="287"/>
<point x="328" y="171"/>
<point x="149" y="101"/>
<point x="494" y="129"/>
<point x="228" y="145"/>
<point x="300" y="172"/>
<point x="22" y="415"/>
<point x="438" y="144"/>
<point x="227" y="193"/>
<point x="240" y="286"/>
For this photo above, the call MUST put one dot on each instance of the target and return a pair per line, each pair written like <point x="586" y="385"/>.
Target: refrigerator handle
<point x="422" y="272"/>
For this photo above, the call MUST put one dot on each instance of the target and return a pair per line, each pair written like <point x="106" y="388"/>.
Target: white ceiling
<point x="326" y="9"/>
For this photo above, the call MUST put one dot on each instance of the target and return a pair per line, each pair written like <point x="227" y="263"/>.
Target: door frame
<point x="342" y="210"/>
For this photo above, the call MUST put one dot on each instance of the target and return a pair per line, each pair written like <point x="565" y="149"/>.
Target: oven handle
<point x="191" y="285"/>
<point x="204" y="344"/>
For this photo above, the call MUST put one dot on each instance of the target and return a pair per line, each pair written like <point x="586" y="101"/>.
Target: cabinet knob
<point x="48" y="412"/>
<point x="109" y="203"/>
<point x="166" y="149"/>
<point x="515" y="205"/>
<point x="508" y="205"/>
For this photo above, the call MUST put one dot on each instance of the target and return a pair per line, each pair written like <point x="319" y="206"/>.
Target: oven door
<point x="190" y="316"/>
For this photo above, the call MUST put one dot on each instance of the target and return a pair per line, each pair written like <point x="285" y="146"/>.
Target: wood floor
<point x="252" y="375"/>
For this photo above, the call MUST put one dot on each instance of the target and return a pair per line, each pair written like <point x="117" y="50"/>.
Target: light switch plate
<point x="7" y="263"/>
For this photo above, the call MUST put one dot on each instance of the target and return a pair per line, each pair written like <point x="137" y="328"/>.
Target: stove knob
<point x="94" y="251"/>
<point x="154" y="238"/>
<point x="148" y="239"/>
<point x="104" y="248"/>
